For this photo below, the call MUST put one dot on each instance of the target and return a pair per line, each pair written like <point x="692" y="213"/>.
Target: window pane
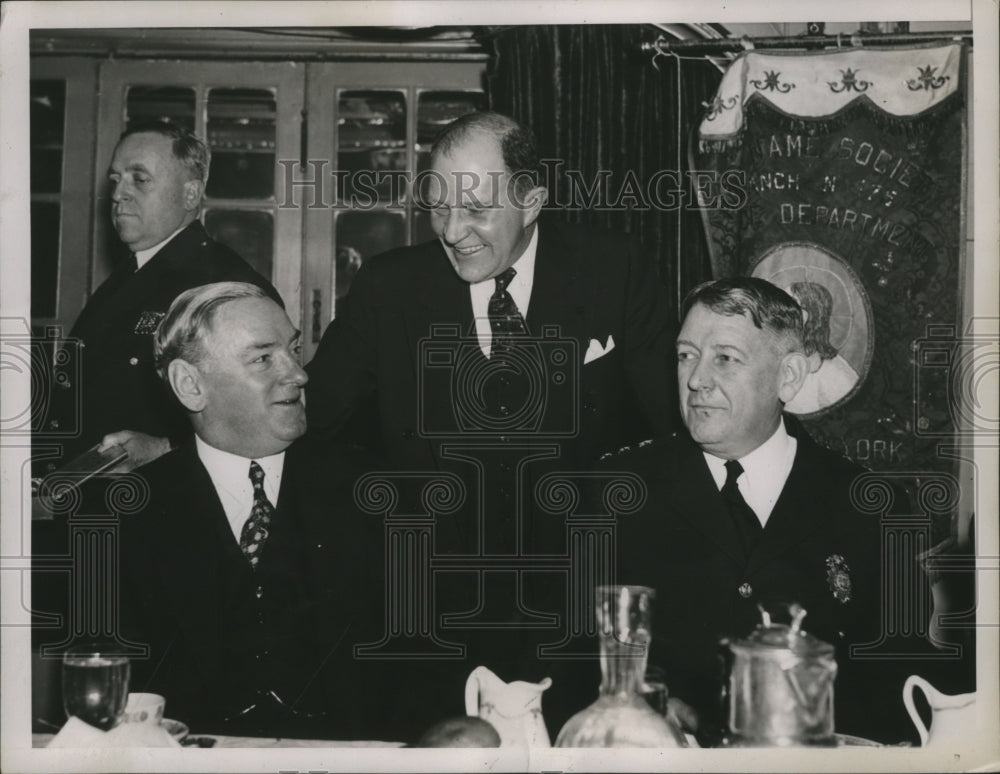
<point x="44" y="258"/>
<point x="250" y="233"/>
<point x="371" y="141"/>
<point x="361" y="235"/>
<point x="241" y="134"/>
<point x="436" y="109"/>
<point x="151" y="103"/>
<point x="48" y="112"/>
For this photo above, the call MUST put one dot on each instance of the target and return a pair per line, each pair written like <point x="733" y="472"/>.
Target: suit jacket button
<point x="407" y="434"/>
<point x="54" y="424"/>
<point x="133" y="361"/>
<point x="746" y="590"/>
<point x="259" y="592"/>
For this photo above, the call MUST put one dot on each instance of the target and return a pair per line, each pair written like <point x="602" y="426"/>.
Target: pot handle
<point x="915" y="681"/>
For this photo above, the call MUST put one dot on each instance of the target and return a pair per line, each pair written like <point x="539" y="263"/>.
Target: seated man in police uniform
<point x="744" y="509"/>
<point x="245" y="571"/>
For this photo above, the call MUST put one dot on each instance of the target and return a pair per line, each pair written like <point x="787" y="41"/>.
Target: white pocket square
<point x="595" y="350"/>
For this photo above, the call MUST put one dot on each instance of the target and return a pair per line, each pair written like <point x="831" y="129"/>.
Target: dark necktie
<point x="132" y="263"/>
<point x="256" y="529"/>
<point x="506" y="321"/>
<point x="746" y="521"/>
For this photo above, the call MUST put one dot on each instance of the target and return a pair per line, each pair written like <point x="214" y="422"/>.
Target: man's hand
<point x="141" y="448"/>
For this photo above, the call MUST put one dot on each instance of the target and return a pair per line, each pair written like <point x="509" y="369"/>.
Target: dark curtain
<point x="596" y="102"/>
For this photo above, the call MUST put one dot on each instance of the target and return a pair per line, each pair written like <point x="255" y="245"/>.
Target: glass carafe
<point x="621" y="717"/>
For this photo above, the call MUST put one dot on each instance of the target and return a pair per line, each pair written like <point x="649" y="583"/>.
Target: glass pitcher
<point x="621" y="717"/>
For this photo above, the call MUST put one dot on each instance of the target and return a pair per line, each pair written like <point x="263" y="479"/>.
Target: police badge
<point x="838" y="578"/>
<point x="147" y="322"/>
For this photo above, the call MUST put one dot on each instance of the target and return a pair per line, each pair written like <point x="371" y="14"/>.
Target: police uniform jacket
<point x="113" y="385"/>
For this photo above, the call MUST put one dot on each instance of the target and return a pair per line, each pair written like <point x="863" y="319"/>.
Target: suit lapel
<point x="191" y="567"/>
<point x="795" y="516"/>
<point x="558" y="293"/>
<point x="698" y="500"/>
<point x="442" y="306"/>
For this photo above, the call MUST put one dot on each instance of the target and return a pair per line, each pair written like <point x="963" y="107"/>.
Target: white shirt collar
<point x="519" y="289"/>
<point x="142" y="257"/>
<point x="230" y="475"/>
<point x="765" y="471"/>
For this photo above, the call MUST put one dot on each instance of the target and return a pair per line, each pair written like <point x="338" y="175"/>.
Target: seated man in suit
<point x="158" y="175"/>
<point x="744" y="509"/>
<point x="247" y="569"/>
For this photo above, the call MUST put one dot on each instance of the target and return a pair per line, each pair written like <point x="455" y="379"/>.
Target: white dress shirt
<point x="519" y="289"/>
<point x="142" y="257"/>
<point x="231" y="477"/>
<point x="765" y="471"/>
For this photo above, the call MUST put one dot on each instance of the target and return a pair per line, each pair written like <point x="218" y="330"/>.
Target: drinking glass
<point x="95" y="684"/>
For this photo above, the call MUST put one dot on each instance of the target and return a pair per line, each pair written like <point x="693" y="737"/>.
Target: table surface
<point x="42" y="740"/>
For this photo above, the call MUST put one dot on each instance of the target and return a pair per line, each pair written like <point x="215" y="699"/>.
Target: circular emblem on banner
<point x="838" y="331"/>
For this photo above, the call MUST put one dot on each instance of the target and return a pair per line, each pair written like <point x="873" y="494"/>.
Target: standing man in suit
<point x="509" y="347"/>
<point x="247" y="570"/>
<point x="158" y="175"/>
<point x="595" y="288"/>
<point x="745" y="509"/>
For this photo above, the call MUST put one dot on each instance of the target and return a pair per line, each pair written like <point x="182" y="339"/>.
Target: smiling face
<point x="482" y="225"/>
<point x="734" y="379"/>
<point x="250" y="400"/>
<point x="153" y="192"/>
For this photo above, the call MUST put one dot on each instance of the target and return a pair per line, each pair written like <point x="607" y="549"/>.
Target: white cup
<point x="144" y="708"/>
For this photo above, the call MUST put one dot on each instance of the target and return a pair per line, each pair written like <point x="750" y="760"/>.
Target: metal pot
<point x="781" y="686"/>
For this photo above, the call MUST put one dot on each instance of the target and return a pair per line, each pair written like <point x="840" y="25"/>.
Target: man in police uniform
<point x="158" y="175"/>
<point x="744" y="509"/>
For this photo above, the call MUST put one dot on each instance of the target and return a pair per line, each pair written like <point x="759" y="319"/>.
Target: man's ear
<point x="193" y="190"/>
<point x="792" y="375"/>
<point x="531" y="203"/>
<point x="187" y="384"/>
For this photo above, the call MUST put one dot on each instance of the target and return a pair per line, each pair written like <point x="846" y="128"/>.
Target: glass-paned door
<point x="370" y="131"/>
<point x="61" y="137"/>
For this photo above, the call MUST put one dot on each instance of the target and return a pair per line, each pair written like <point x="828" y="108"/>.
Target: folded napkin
<point x="76" y="733"/>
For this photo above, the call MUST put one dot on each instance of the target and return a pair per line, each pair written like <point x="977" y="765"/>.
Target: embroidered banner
<point x="853" y="164"/>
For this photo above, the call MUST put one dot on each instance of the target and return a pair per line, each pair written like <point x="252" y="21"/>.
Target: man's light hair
<point x="768" y="306"/>
<point x="182" y="332"/>
<point x="188" y="148"/>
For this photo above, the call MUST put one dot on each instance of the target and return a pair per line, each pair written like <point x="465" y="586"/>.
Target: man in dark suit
<point x="744" y="509"/>
<point x="158" y="175"/>
<point x="248" y="569"/>
<point x="505" y="349"/>
<point x="591" y="288"/>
